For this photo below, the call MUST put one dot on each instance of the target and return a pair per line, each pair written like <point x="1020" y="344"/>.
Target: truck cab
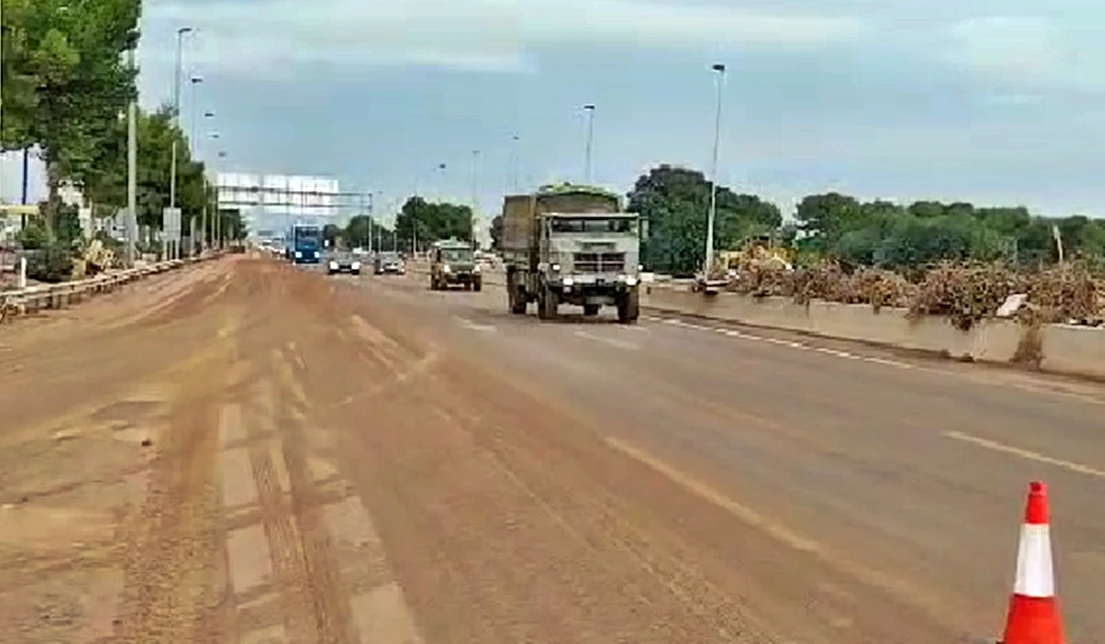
<point x="453" y="263"/>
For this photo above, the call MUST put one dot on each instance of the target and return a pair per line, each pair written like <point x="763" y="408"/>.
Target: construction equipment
<point x="571" y="244"/>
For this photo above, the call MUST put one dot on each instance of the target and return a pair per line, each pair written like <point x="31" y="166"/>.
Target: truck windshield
<point x="456" y="255"/>
<point x="592" y="225"/>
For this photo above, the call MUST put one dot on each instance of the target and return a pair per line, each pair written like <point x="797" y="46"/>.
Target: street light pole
<point x="132" y="170"/>
<point x="180" y="33"/>
<point x="475" y="195"/>
<point x="720" y="69"/>
<point x="205" y="242"/>
<point x="590" y="109"/>
<point x="513" y="185"/>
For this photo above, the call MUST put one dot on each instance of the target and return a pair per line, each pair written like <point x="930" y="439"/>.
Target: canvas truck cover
<point x="518" y="222"/>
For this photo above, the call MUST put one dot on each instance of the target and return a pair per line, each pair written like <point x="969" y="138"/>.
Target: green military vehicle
<point x="571" y="244"/>
<point x="453" y="263"/>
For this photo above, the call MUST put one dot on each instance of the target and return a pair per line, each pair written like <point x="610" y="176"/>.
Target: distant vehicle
<point x="306" y="244"/>
<point x="571" y="244"/>
<point x="343" y="263"/>
<point x="453" y="263"/>
<point x="389" y="262"/>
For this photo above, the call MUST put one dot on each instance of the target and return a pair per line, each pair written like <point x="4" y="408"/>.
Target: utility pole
<point x="475" y="197"/>
<point x="590" y="109"/>
<point x="720" y="69"/>
<point x="180" y="33"/>
<point x="132" y="170"/>
<point x="512" y="180"/>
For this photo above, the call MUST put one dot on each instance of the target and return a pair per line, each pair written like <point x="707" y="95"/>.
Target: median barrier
<point x="57" y="296"/>
<point x="1056" y="348"/>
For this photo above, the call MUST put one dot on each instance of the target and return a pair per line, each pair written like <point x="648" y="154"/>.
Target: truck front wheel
<point x="547" y="303"/>
<point x="629" y="307"/>
<point x="477" y="285"/>
<point x="517" y="300"/>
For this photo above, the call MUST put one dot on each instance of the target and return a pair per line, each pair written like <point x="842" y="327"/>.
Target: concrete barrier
<point x="57" y="296"/>
<point x="1056" y="348"/>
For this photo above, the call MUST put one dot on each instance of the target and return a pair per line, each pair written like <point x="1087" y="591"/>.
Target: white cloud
<point x="266" y="36"/>
<point x="1029" y="52"/>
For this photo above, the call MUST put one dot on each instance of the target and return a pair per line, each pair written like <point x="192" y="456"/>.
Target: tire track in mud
<point x="171" y="577"/>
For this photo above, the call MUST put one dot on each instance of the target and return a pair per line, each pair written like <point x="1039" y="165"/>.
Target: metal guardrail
<point x="33" y="299"/>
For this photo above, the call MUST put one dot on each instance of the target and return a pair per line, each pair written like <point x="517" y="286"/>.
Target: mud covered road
<point x="246" y="452"/>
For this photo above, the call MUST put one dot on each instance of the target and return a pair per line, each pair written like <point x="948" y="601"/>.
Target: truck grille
<point x="598" y="262"/>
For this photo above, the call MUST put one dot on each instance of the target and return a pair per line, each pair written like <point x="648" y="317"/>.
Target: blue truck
<point x="304" y="244"/>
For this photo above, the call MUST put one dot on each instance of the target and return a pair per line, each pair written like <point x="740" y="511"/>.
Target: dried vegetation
<point x="965" y="294"/>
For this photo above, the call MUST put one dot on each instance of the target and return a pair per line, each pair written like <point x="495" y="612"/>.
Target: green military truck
<point x="571" y="244"/>
<point x="453" y="263"/>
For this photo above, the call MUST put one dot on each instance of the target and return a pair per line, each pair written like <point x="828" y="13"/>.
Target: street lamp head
<point x="719" y="68"/>
<point x="184" y="30"/>
<point x="589" y="107"/>
<point x="208" y="115"/>
<point x="196" y="80"/>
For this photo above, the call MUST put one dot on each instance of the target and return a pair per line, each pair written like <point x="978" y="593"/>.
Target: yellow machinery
<point x="760" y="252"/>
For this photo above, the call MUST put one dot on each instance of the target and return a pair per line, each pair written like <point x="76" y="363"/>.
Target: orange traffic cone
<point x="1033" y="610"/>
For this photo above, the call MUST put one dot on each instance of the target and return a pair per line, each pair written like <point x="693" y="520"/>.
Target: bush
<point x="53" y="263"/>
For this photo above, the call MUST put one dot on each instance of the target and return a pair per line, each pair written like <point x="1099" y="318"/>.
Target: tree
<point x="107" y="183"/>
<point x="66" y="82"/>
<point x="497" y="233"/>
<point x="675" y="202"/>
<point x="330" y="235"/>
<point x="363" y="230"/>
<point x="430" y="222"/>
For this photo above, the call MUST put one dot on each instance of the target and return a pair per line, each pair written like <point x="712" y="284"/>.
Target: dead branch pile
<point x="965" y="294"/>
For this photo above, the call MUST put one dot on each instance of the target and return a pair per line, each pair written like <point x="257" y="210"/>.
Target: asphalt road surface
<point x="247" y="452"/>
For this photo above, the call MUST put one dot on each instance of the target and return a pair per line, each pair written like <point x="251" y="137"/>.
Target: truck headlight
<point x="556" y="267"/>
<point x="631" y="280"/>
<point x="333" y="266"/>
<point x="298" y="255"/>
<point x="568" y="281"/>
<point x="447" y="268"/>
<point x="355" y="266"/>
<point x="476" y="268"/>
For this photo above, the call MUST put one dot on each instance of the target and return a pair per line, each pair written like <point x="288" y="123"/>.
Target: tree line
<point x="66" y="88"/>
<point x="418" y="221"/>
<point x="674" y="202"/>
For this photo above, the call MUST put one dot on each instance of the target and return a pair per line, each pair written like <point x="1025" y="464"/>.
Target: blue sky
<point x="995" y="102"/>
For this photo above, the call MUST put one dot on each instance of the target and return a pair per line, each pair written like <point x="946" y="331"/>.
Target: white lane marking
<point x="791" y="344"/>
<point x="250" y="560"/>
<point x="239" y="489"/>
<point x="1025" y="454"/>
<point x="621" y="344"/>
<point x="231" y="429"/>
<point x="381" y="615"/>
<point x="469" y="324"/>
<point x="269" y="635"/>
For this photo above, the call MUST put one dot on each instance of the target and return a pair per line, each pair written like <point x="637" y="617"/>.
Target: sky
<point x="975" y="100"/>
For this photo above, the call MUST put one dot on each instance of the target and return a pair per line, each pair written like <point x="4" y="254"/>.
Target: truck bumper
<point x="600" y="292"/>
<point x="461" y="278"/>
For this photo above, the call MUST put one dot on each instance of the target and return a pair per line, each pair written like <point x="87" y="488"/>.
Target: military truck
<point x="571" y="244"/>
<point x="453" y="263"/>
